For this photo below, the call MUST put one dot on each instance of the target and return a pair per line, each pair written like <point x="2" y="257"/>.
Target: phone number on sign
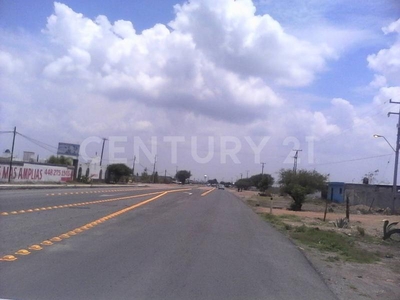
<point x="55" y="172"/>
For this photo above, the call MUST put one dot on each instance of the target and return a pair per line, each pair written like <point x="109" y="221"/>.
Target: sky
<point x="225" y="88"/>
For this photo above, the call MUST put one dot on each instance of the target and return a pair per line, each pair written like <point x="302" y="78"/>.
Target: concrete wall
<point x="35" y="172"/>
<point x="378" y="196"/>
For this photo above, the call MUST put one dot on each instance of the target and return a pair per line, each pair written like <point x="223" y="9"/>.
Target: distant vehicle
<point x="221" y="187"/>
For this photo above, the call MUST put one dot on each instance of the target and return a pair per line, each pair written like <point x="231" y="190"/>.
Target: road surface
<point x="145" y="244"/>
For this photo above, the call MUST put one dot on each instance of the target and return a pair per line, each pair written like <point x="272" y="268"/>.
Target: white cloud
<point x="9" y="64"/>
<point x="393" y="27"/>
<point x="170" y="70"/>
<point x="387" y="61"/>
<point x="232" y="36"/>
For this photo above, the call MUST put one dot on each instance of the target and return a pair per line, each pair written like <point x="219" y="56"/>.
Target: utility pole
<point x="295" y="160"/>
<point x="102" y="151"/>
<point x="12" y="154"/>
<point x="241" y="175"/>
<point x="262" y="169"/>
<point x="247" y="173"/>
<point x="396" y="160"/>
<point x="133" y="166"/>
<point x="154" y="169"/>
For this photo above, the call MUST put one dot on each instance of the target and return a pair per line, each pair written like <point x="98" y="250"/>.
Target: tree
<point x="182" y="175"/>
<point x="262" y="181"/>
<point x="243" y="184"/>
<point x="62" y="160"/>
<point x="266" y="182"/>
<point x="299" y="185"/>
<point x="154" y="178"/>
<point x="144" y="177"/>
<point x="213" y="181"/>
<point x="117" y="171"/>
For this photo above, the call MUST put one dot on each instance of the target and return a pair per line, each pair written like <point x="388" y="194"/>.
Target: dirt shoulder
<point x="348" y="280"/>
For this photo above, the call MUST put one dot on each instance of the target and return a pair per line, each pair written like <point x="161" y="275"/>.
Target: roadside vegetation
<point x="344" y="246"/>
<point x="339" y="243"/>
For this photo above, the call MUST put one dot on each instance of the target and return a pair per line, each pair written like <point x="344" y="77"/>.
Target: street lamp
<point x="381" y="136"/>
<point x="396" y="164"/>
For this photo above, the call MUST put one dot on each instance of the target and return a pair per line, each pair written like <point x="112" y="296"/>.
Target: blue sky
<point x="283" y="70"/>
<point x="32" y="17"/>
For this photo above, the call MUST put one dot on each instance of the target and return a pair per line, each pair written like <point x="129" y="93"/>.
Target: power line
<point x="39" y="143"/>
<point x="351" y="160"/>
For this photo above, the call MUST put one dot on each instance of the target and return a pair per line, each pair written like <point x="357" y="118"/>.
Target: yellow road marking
<point x="8" y="258"/>
<point x="87" y="226"/>
<point x="82" y="203"/>
<point x="35" y="247"/>
<point x="46" y="243"/>
<point x="206" y="193"/>
<point x="22" y="252"/>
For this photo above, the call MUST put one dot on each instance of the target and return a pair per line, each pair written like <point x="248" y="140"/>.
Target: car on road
<point x="221" y="187"/>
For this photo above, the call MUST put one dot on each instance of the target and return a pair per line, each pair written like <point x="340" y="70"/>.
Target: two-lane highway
<point x="148" y="244"/>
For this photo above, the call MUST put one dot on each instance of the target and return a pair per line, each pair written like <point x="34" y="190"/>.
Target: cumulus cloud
<point x="9" y="64"/>
<point x="232" y="36"/>
<point x="219" y="59"/>
<point x="387" y="61"/>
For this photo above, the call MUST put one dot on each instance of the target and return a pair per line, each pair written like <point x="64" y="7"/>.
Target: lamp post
<point x="396" y="165"/>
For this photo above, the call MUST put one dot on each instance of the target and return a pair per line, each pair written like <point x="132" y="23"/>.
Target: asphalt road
<point x="175" y="245"/>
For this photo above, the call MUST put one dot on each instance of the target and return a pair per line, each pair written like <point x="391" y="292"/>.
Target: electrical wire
<point x="351" y="160"/>
<point x="39" y="143"/>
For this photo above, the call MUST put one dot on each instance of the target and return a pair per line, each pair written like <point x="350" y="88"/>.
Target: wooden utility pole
<point x="154" y="169"/>
<point x="133" y="166"/>
<point x="102" y="151"/>
<point x="12" y="154"/>
<point x="262" y="168"/>
<point x="295" y="160"/>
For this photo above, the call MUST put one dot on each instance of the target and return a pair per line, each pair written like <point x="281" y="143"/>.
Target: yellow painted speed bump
<point x="71" y="232"/>
<point x="4" y="213"/>
<point x="64" y="236"/>
<point x="8" y="258"/>
<point x="78" y="230"/>
<point x="22" y="252"/>
<point x="46" y="243"/>
<point x="55" y="239"/>
<point x="13" y="212"/>
<point x="21" y="212"/>
<point x="35" y="247"/>
<point x="30" y="210"/>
